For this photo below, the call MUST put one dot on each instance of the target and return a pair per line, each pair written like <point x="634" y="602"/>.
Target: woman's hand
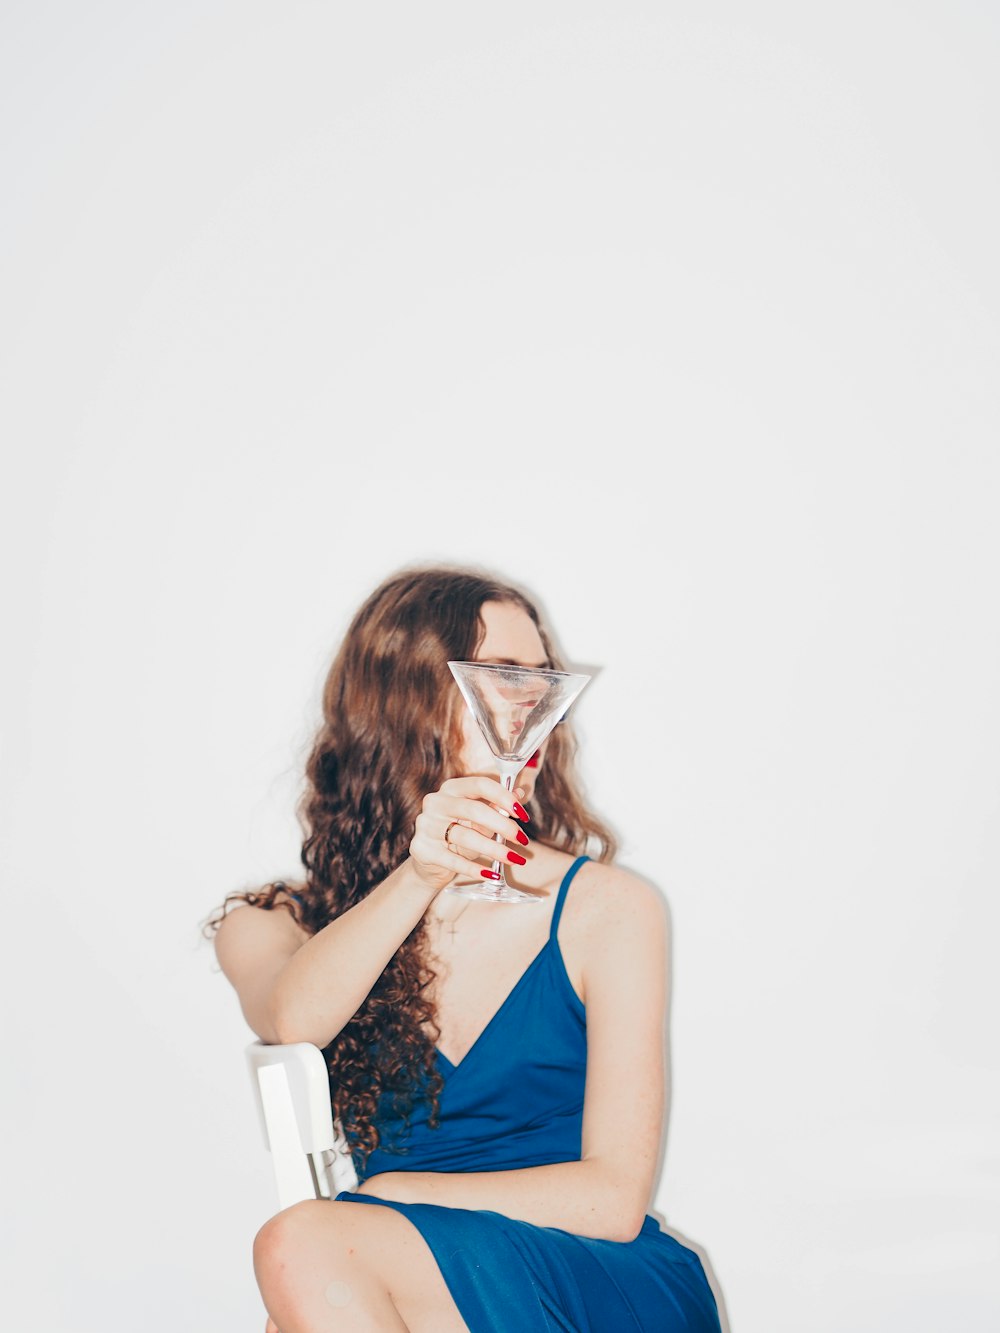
<point x="455" y="829"/>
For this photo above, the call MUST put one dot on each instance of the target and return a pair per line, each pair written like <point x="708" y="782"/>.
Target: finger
<point x="479" y="815"/>
<point x="440" y="813"/>
<point x="430" y="850"/>
<point x="449" y="864"/>
<point x="474" y="844"/>
<point x="484" y="788"/>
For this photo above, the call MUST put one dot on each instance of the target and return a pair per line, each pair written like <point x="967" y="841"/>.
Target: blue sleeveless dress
<point x="516" y="1100"/>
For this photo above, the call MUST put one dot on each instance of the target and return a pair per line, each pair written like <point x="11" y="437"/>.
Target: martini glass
<point x="515" y="708"/>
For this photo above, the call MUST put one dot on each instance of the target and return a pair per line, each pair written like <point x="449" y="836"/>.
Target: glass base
<point x="487" y="892"/>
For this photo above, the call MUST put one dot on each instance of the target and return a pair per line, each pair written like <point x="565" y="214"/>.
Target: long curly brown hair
<point x="391" y="732"/>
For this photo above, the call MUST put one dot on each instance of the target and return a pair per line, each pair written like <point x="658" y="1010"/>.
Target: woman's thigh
<point x="333" y="1252"/>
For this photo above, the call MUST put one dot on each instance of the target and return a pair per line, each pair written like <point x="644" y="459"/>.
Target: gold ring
<point x="447" y="843"/>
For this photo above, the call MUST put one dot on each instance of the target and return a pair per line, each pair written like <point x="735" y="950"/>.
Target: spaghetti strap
<point x="561" y="896"/>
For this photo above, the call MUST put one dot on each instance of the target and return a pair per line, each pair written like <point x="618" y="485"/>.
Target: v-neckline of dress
<point x="454" y="1068"/>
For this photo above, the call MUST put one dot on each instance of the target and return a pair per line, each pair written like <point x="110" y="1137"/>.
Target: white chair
<point x="308" y="1150"/>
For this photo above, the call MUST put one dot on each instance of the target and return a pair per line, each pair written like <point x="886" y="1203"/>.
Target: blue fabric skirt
<point x="512" y="1277"/>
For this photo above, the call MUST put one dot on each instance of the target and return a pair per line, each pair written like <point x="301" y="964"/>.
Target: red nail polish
<point x="520" y="811"/>
<point x="522" y="837"/>
<point x="517" y="858"/>
<point x="489" y="874"/>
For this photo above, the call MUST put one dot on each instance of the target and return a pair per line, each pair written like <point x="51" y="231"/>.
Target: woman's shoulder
<point x="614" y="920"/>
<point x="609" y="908"/>
<point x="247" y="930"/>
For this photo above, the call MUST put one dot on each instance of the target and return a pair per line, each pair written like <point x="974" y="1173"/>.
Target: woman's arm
<point x="582" y="1197"/>
<point x="294" y="986"/>
<point x="620" y="923"/>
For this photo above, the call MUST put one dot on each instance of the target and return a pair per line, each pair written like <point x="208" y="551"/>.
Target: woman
<point x="498" y="1070"/>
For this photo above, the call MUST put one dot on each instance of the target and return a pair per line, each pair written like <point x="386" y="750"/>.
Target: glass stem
<point x="508" y="772"/>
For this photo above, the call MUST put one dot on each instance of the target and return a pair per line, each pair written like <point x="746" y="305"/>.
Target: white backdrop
<point x="688" y="318"/>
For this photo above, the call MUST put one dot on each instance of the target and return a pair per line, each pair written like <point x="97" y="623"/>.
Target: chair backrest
<point x="309" y="1154"/>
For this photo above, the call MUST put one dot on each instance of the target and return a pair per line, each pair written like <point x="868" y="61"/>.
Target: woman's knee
<point x="316" y="1255"/>
<point x="289" y="1236"/>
